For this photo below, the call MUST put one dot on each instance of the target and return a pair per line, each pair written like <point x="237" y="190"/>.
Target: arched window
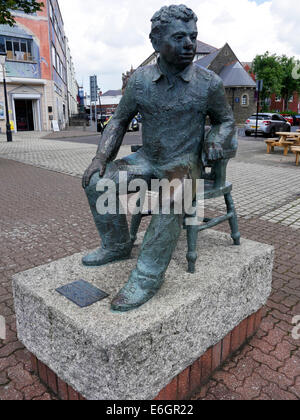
<point x="245" y="100"/>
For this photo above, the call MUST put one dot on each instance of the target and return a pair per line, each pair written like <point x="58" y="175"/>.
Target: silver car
<point x="268" y="124"/>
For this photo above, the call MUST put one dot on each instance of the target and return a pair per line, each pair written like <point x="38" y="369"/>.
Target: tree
<point x="278" y="75"/>
<point x="7" y="7"/>
<point x="289" y="84"/>
<point x="267" y="67"/>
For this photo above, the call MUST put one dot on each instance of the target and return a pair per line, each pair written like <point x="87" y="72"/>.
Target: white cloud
<point x="106" y="38"/>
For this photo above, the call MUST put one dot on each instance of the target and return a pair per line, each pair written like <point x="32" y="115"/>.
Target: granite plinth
<point x="133" y="356"/>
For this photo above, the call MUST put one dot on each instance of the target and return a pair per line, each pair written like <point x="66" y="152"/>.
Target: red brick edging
<point x="184" y="385"/>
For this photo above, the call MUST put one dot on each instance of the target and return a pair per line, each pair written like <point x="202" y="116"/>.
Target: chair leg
<point x="191" y="256"/>
<point x="134" y="228"/>
<point x="235" y="234"/>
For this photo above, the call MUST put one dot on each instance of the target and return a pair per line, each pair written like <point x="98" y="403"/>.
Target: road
<point x="132" y="138"/>
<point x="129" y="139"/>
<point x="45" y="216"/>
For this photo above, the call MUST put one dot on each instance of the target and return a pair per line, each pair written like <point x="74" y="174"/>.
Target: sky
<point x="108" y="37"/>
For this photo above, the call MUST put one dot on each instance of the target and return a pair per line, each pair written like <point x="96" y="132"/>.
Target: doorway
<point x="24" y="114"/>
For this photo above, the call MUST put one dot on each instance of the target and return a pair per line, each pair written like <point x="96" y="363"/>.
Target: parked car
<point x="139" y="118"/>
<point x="102" y="121"/>
<point x="288" y="118"/>
<point x="103" y="117"/>
<point x="134" y="125"/>
<point x="108" y="118"/>
<point x="268" y="124"/>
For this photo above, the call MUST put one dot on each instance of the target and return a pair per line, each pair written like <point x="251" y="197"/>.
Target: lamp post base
<point x="9" y="134"/>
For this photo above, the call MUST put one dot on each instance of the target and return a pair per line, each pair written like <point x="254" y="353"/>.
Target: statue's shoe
<point x="135" y="293"/>
<point x="104" y="256"/>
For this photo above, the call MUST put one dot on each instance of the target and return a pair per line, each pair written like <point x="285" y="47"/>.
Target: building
<point x="239" y="85"/>
<point x="36" y="70"/>
<point x="110" y="100"/>
<point x="203" y="50"/>
<point x="72" y="85"/>
<point x="277" y="103"/>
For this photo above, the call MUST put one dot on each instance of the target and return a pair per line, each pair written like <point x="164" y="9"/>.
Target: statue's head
<point x="174" y="34"/>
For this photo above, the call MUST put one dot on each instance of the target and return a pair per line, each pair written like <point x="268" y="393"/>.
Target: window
<point x="17" y="49"/>
<point x="260" y="117"/>
<point x="9" y="46"/>
<point x="55" y="25"/>
<point x="278" y="98"/>
<point x="245" y="100"/>
<point x="2" y="44"/>
<point x="51" y="11"/>
<point x="275" y="118"/>
<point x="23" y="47"/>
<point x="291" y="99"/>
<point x="57" y="63"/>
<point x="54" y="56"/>
<point x="16" y="46"/>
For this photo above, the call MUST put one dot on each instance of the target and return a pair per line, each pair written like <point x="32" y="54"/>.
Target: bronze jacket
<point x="174" y="114"/>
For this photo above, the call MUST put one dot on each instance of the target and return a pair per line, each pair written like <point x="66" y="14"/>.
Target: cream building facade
<point x="36" y="71"/>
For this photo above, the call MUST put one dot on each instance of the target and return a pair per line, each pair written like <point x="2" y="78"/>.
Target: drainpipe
<point x="233" y="98"/>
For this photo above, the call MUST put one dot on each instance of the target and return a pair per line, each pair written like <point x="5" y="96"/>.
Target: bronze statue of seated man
<point x="174" y="98"/>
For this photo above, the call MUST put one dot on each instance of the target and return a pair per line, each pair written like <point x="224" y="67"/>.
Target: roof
<point x="235" y="75"/>
<point x="113" y="93"/>
<point x="14" y="31"/>
<point x="246" y="63"/>
<point x="205" y="61"/>
<point x="203" y="48"/>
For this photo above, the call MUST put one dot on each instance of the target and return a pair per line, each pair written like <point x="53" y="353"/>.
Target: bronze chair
<point x="215" y="185"/>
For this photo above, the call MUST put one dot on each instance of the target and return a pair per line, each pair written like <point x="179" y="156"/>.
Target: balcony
<point x="20" y="56"/>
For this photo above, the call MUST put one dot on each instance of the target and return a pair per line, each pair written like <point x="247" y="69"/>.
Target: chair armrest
<point x="219" y="171"/>
<point x="135" y="148"/>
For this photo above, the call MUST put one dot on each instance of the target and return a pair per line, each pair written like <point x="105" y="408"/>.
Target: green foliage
<point x="289" y="83"/>
<point x="291" y="113"/>
<point x="277" y="74"/>
<point x="267" y="68"/>
<point x="7" y="7"/>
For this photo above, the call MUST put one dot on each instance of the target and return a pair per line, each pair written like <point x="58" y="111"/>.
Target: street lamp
<point x="8" y="130"/>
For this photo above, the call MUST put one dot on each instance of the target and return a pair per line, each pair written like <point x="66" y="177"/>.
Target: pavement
<point x="45" y="216"/>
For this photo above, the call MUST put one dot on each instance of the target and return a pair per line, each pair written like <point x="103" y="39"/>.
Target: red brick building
<point x="276" y="102"/>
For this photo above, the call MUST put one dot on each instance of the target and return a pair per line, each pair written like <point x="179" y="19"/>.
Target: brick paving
<point x="45" y="216"/>
<point x="262" y="183"/>
<point x="268" y="367"/>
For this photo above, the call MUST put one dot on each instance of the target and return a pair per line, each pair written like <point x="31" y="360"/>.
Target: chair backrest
<point x="217" y="172"/>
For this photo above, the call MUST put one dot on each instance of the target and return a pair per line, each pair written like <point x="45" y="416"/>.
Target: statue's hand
<point x="98" y="165"/>
<point x="214" y="152"/>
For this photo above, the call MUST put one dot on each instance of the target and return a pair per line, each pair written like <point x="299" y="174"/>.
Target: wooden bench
<point x="296" y="150"/>
<point x="271" y="143"/>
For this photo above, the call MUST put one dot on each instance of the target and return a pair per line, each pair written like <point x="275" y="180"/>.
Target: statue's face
<point x="178" y="43"/>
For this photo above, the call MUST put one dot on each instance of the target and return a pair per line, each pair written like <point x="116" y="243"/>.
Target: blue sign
<point x="259" y="85"/>
<point x="93" y="88"/>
